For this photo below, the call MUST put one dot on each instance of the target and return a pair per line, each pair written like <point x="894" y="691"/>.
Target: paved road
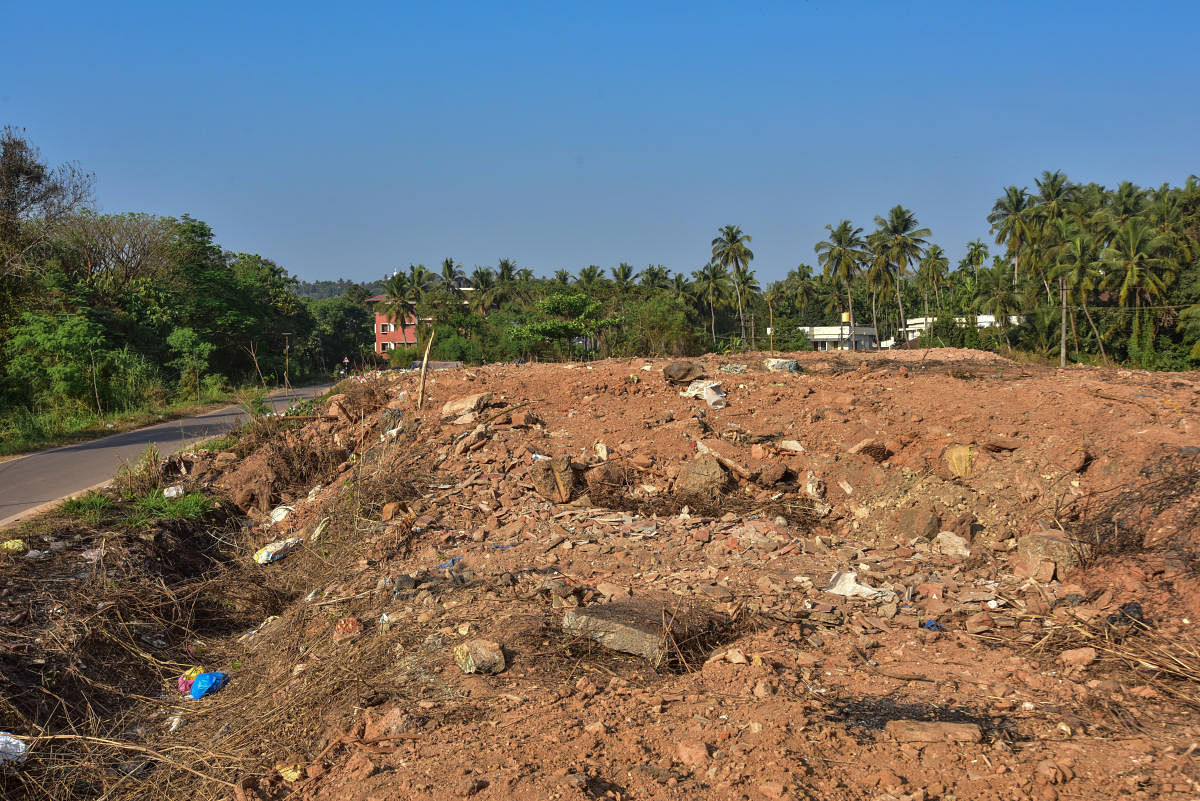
<point x="29" y="482"/>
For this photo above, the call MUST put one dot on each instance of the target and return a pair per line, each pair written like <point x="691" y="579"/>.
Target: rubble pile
<point x="837" y="578"/>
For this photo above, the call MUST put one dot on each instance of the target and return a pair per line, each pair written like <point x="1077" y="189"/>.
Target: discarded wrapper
<point x="207" y="683"/>
<point x="276" y="550"/>
<point x="12" y="748"/>
<point x="847" y="584"/>
<point x="709" y="391"/>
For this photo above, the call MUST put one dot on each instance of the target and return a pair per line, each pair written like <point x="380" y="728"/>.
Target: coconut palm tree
<point x="452" y="275"/>
<point x="483" y="281"/>
<point x="712" y="285"/>
<point x="562" y="276"/>
<point x="729" y="250"/>
<point x="841" y="256"/>
<point x="1010" y="222"/>
<point x="1137" y="266"/>
<point x="901" y="242"/>
<point x="977" y="254"/>
<point x="997" y="297"/>
<point x="681" y="288"/>
<point x="506" y="271"/>
<point x="589" y="277"/>
<point x="400" y="298"/>
<point x="1079" y="273"/>
<point x="745" y="286"/>
<point x="655" y="276"/>
<point x="623" y="276"/>
<point x="931" y="275"/>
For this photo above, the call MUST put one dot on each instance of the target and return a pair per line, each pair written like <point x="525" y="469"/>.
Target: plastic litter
<point x="12" y="748"/>
<point x="185" y="681"/>
<point x="12" y="546"/>
<point x="319" y="530"/>
<point x="280" y="513"/>
<point x="385" y="623"/>
<point x="709" y="391"/>
<point x="450" y="563"/>
<point x="207" y="683"/>
<point x="734" y="369"/>
<point x="276" y="550"/>
<point x="174" y="491"/>
<point x="782" y="365"/>
<point x="932" y="625"/>
<point x="848" y="585"/>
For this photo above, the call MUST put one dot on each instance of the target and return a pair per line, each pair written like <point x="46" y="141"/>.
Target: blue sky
<point x="348" y="140"/>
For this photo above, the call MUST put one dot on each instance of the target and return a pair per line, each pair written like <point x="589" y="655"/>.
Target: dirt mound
<point x="871" y="578"/>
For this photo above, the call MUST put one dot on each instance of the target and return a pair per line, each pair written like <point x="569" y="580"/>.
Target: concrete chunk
<point x="643" y="627"/>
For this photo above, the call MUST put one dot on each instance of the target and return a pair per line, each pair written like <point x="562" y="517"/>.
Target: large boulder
<point x="682" y="372"/>
<point x="919" y="520"/>
<point x="1051" y="547"/>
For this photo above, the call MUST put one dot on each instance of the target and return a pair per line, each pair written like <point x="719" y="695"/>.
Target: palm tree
<point x="452" y="275"/>
<point x="483" y="280"/>
<point x="1079" y="273"/>
<point x="931" y="275"/>
<point x="996" y="297"/>
<point x="623" y="276"/>
<point x="562" y="276"/>
<point x="729" y="250"/>
<point x="746" y="286"/>
<point x="506" y="271"/>
<point x="1010" y="222"/>
<point x="901" y="242"/>
<point x="841" y="256"/>
<point x="421" y="279"/>
<point x="1136" y="265"/>
<point x="879" y="275"/>
<point x="680" y="288"/>
<point x="711" y="284"/>
<point x="589" y="277"/>
<point x="977" y="254"/>
<point x="656" y="276"/>
<point x="400" y="298"/>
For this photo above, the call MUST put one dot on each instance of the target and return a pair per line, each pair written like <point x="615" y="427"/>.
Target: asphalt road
<point x="30" y="482"/>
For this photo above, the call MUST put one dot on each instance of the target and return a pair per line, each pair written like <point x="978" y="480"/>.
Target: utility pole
<point x="1062" y="339"/>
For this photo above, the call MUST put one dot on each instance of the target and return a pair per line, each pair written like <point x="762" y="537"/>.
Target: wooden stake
<point x="424" y="367"/>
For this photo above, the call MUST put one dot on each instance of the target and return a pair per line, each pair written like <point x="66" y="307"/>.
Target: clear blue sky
<point x="350" y="139"/>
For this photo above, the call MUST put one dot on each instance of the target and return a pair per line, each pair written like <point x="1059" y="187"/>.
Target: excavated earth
<point x="641" y="586"/>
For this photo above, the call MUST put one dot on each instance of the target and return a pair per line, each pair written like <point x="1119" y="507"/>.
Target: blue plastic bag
<point x="207" y="683"/>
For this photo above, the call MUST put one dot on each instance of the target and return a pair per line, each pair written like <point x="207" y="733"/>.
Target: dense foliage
<point x="101" y="313"/>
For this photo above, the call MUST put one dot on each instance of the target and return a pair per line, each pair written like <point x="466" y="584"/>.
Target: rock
<point x="467" y="403"/>
<point x="729" y="455"/>
<point x="390" y="510"/>
<point x="606" y="477"/>
<point x="923" y="731"/>
<point x="359" y="767"/>
<point x="692" y="752"/>
<point x="346" y="629"/>
<point x="336" y="409"/>
<point x="773" y="789"/>
<point x="610" y="590"/>
<point x="979" y="622"/>
<point x="1075" y="460"/>
<point x="948" y="543"/>
<point x="960" y="460"/>
<point x="523" y="418"/>
<point x="919" y="520"/>
<point x="772" y="473"/>
<point x="224" y="459"/>
<point x="871" y="447"/>
<point x="1078" y="657"/>
<point x="791" y="445"/>
<point x="479" y="656"/>
<point x="681" y="372"/>
<point x="477" y="435"/>
<point x="644" y="627"/>
<point x="1053" y="547"/>
<point x="553" y="478"/>
<point x="703" y="476"/>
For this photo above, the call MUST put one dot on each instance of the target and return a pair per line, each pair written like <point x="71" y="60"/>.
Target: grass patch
<point x="192" y="506"/>
<point x="92" y="508"/>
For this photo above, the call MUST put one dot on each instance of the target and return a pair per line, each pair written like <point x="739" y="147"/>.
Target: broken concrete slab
<point x="702" y="476"/>
<point x="554" y="479"/>
<point x="653" y="629"/>
<point x="467" y="403"/>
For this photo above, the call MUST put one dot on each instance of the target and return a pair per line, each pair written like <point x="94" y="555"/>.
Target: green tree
<point x="841" y="257"/>
<point x="712" y="286"/>
<point x="1010" y="222"/>
<point x="54" y="356"/>
<point x="623" y="277"/>
<point x="730" y="251"/>
<point x="191" y="358"/>
<point x="901" y="243"/>
<point x="1137" y="267"/>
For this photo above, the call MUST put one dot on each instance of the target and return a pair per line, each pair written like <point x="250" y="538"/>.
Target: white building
<point x="915" y="326"/>
<point x="841" y="337"/>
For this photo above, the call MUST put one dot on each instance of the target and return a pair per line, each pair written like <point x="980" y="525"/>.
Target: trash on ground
<point x="207" y="683"/>
<point x="280" y="513"/>
<point x="13" y="546"/>
<point x="276" y="550"/>
<point x="174" y="491"/>
<point x="12" y="748"/>
<point x="187" y="679"/>
<point x="709" y="391"/>
<point x="450" y="563"/>
<point x="319" y="530"/>
<point x="735" y="369"/>
<point x="848" y="585"/>
<point x="932" y="625"/>
<point x="782" y="365"/>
